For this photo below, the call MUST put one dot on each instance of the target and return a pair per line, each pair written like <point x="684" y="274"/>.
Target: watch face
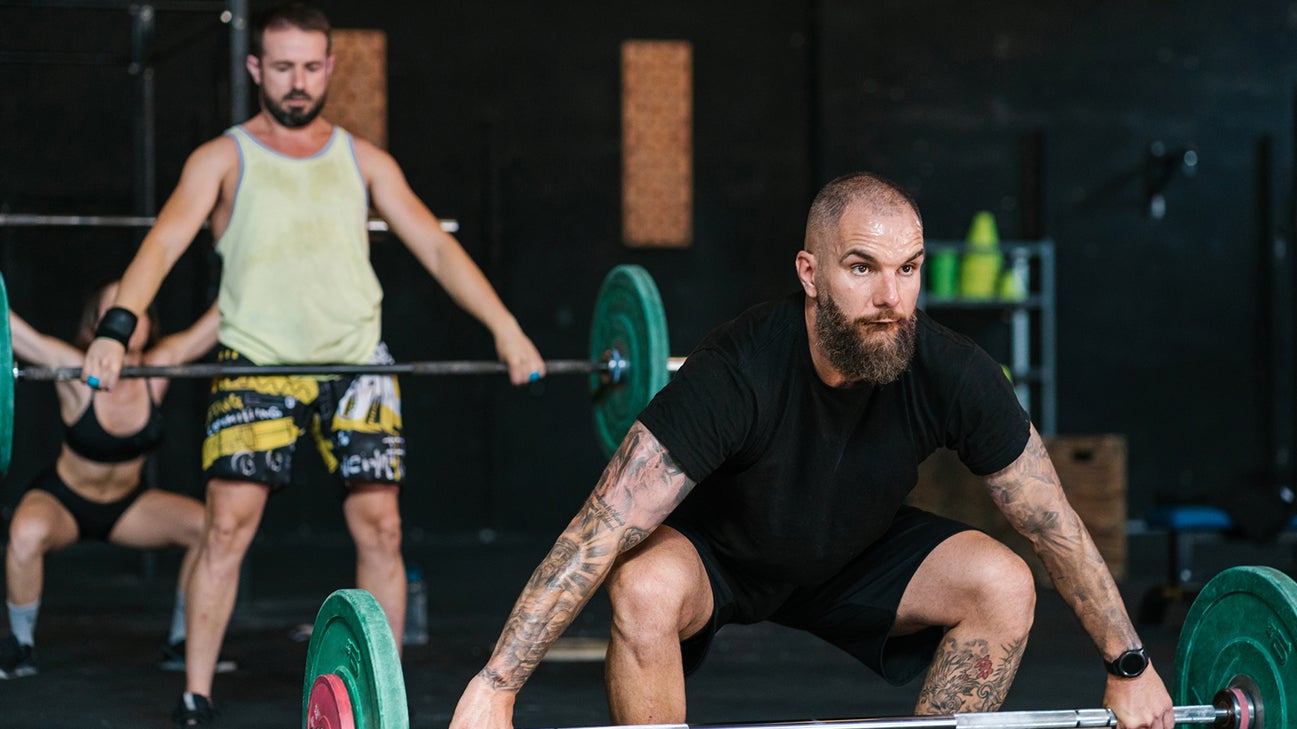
<point x="1132" y="663"/>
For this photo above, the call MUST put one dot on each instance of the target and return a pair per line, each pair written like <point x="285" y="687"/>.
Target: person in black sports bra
<point x="94" y="489"/>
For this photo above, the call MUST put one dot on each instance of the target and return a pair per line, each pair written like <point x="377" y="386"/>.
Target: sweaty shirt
<point x="795" y="478"/>
<point x="297" y="286"/>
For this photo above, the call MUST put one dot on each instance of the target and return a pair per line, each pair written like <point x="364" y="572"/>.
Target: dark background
<point x="506" y="117"/>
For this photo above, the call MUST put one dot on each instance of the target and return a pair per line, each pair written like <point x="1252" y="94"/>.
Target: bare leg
<point x="234" y="510"/>
<point x="660" y="595"/>
<point x="40" y="524"/>
<point x="375" y="522"/>
<point x="186" y="570"/>
<point x="985" y="594"/>
<point x="163" y="519"/>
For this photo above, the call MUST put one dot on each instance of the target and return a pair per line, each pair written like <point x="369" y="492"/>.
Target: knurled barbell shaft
<point x="1079" y="718"/>
<point x="207" y="371"/>
<point x="1049" y="719"/>
<point x="30" y="220"/>
<point x="447" y="367"/>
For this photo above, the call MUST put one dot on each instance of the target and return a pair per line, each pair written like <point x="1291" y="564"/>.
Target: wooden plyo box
<point x="1092" y="469"/>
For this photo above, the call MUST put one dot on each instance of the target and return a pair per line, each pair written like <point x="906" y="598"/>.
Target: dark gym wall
<point x="1157" y="318"/>
<point x="506" y="116"/>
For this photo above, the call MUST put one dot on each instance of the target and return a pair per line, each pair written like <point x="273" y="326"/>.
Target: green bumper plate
<point x="628" y="319"/>
<point x="7" y="382"/>
<point x="1242" y="625"/>
<point x="352" y="640"/>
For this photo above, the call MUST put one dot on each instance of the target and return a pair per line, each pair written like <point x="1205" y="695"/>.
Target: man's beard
<point x="862" y="360"/>
<point x="292" y="118"/>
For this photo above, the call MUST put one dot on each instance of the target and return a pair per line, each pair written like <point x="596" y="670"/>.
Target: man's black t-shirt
<point x="795" y="478"/>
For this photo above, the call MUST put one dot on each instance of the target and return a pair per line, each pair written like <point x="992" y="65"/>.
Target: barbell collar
<point x="614" y="367"/>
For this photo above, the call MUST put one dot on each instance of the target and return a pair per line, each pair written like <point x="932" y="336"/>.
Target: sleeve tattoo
<point x="1029" y="494"/>
<point x="638" y="489"/>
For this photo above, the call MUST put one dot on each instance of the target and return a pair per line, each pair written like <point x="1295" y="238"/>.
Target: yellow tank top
<point x="297" y="286"/>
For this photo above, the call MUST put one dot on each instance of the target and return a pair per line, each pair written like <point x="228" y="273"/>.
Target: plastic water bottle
<point x="416" y="608"/>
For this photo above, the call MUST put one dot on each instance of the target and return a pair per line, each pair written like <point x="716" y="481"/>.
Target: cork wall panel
<point x="358" y="89"/>
<point x="657" y="143"/>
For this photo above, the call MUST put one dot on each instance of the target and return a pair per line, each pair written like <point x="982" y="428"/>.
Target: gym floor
<point x="104" y="615"/>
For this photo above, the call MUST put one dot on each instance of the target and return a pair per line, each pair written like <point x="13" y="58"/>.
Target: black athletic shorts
<point x="94" y="520"/>
<point x="854" y="610"/>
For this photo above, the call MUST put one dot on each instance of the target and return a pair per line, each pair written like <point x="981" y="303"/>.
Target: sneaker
<point x="173" y="659"/>
<point x="193" y="710"/>
<point x="16" y="660"/>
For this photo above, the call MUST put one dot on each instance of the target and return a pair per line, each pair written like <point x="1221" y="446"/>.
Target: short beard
<point x="292" y="118"/>
<point x="862" y="362"/>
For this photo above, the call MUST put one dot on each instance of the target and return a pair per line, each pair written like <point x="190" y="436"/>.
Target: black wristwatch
<point x="1129" y="664"/>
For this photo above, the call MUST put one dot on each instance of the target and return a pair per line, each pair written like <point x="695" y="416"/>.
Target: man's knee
<point x="377" y="530"/>
<point x="1006" y="589"/>
<point x="384" y="534"/>
<point x="227" y="534"/>
<point x="656" y="594"/>
<point x="644" y="600"/>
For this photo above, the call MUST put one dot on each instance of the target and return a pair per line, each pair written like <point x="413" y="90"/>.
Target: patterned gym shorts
<point x="253" y="425"/>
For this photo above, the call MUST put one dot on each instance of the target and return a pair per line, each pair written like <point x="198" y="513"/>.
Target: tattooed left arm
<point x="1029" y="494"/>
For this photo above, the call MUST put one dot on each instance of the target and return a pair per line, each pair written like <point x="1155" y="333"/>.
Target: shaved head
<point x="873" y="193"/>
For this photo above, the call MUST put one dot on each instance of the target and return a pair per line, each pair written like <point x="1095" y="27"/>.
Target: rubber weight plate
<point x="1243" y="625"/>
<point x="352" y="640"/>
<point x="329" y="707"/>
<point x="628" y="318"/>
<point x="7" y="382"/>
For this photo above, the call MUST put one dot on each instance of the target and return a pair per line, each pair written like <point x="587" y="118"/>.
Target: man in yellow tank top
<point x="286" y="194"/>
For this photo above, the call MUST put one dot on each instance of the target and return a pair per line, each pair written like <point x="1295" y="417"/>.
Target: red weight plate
<point x="329" y="706"/>
<point x="352" y="641"/>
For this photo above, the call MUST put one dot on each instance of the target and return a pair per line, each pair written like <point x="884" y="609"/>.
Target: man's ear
<point x="806" y="271"/>
<point x="328" y="67"/>
<point x="253" y="64"/>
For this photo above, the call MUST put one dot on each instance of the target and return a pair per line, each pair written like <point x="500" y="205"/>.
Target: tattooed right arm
<point x="640" y="487"/>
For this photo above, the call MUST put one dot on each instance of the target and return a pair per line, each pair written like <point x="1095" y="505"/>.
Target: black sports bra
<point x="88" y="439"/>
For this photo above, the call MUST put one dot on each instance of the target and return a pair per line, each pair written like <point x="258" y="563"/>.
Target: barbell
<point x="627" y="365"/>
<point x="35" y="220"/>
<point x="1234" y="668"/>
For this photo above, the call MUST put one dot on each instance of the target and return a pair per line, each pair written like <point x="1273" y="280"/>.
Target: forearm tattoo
<point x="1029" y="494"/>
<point x="638" y="489"/>
<point x="969" y="677"/>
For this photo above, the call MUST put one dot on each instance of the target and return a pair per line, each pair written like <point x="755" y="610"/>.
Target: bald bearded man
<point x="768" y="482"/>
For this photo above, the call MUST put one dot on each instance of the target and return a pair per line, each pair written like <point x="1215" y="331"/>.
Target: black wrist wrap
<point x="118" y="324"/>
